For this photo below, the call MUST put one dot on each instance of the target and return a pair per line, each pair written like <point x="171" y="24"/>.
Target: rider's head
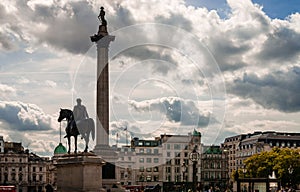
<point x="78" y="101"/>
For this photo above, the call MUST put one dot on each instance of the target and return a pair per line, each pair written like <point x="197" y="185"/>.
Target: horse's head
<point x="64" y="114"/>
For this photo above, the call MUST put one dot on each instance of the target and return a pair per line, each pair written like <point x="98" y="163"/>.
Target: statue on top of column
<point x="101" y="16"/>
<point x="102" y="31"/>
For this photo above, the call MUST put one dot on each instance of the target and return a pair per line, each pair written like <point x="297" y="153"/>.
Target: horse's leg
<point x="75" y="137"/>
<point x="69" y="143"/>
<point x="86" y="138"/>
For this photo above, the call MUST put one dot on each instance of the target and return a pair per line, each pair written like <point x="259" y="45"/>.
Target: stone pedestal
<point x="79" y="173"/>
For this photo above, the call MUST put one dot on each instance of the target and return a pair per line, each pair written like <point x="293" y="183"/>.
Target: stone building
<point x="242" y="146"/>
<point x="27" y="171"/>
<point x="214" y="167"/>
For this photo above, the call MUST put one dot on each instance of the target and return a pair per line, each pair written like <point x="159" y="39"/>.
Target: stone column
<point x="103" y="91"/>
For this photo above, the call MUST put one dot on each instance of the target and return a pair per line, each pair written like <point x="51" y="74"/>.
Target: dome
<point x="196" y="133"/>
<point x="60" y="149"/>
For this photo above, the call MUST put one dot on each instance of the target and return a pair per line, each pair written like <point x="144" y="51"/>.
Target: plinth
<point x="79" y="173"/>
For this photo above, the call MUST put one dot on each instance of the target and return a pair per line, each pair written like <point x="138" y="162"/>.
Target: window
<point x="141" y="160"/>
<point x="129" y="158"/>
<point x="155" y="169"/>
<point x="168" y="161"/>
<point x="155" y="151"/>
<point x="168" y="146"/>
<point x="168" y="169"/>
<point x="20" y="177"/>
<point x="148" y="169"/>
<point x="155" y="178"/>
<point x="41" y="177"/>
<point x="148" y="150"/>
<point x="148" y="178"/>
<point x="177" y="146"/>
<point x="177" y="169"/>
<point x="33" y="169"/>
<point x="141" y="150"/>
<point x="168" y="154"/>
<point x="33" y="177"/>
<point x="156" y="160"/>
<point x="141" y="169"/>
<point x="177" y="161"/>
<point x="148" y="160"/>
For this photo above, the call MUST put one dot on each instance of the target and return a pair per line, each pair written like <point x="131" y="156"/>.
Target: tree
<point x="278" y="160"/>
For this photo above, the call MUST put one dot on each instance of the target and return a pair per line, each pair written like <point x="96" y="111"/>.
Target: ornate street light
<point x="194" y="157"/>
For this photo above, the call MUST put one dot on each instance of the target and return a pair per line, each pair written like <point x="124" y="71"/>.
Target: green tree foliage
<point x="278" y="160"/>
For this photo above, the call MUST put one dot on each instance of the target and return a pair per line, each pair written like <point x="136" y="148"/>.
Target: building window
<point x="149" y="178"/>
<point x="177" y="169"/>
<point x="141" y="178"/>
<point x="20" y="177"/>
<point x="41" y="168"/>
<point x="168" y="146"/>
<point x="34" y="177"/>
<point x="148" y="151"/>
<point x="148" y="160"/>
<point x="168" y="169"/>
<point x="129" y="158"/>
<point x="168" y="161"/>
<point x="41" y="177"/>
<point x="168" y="154"/>
<point x="177" y="161"/>
<point x="177" y="147"/>
<point x="141" y="160"/>
<point x="13" y="176"/>
<point x="33" y="169"/>
<point x="141" y="169"/>
<point x="155" y="151"/>
<point x="155" y="178"/>
<point x="141" y="150"/>
<point x="148" y="169"/>
<point x="155" y="169"/>
<point x="156" y="160"/>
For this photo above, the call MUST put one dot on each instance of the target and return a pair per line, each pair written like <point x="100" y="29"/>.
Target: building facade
<point x="27" y="171"/>
<point x="214" y="168"/>
<point x="242" y="146"/>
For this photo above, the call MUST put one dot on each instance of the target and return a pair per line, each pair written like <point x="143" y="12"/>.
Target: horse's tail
<point x="92" y="126"/>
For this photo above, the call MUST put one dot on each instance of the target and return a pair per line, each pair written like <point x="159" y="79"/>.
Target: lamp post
<point x="184" y="170"/>
<point x="291" y="170"/>
<point x="194" y="157"/>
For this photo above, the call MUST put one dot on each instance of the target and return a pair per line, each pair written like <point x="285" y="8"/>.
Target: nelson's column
<point x="102" y="40"/>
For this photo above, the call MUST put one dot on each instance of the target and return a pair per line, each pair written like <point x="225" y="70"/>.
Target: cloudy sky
<point x="221" y="67"/>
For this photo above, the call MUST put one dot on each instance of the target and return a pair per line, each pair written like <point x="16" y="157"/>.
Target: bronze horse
<point x="71" y="129"/>
<point x="83" y="127"/>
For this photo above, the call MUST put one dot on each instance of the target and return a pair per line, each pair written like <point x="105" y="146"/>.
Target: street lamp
<point x="184" y="170"/>
<point x="194" y="157"/>
<point x="291" y="170"/>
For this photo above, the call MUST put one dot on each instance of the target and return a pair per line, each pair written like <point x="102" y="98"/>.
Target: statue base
<point x="79" y="173"/>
